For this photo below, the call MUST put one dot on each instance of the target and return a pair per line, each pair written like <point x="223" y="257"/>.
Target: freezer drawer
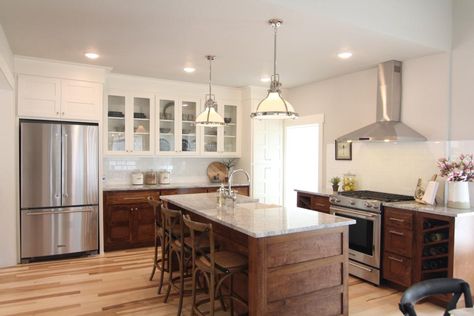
<point x="48" y="232"/>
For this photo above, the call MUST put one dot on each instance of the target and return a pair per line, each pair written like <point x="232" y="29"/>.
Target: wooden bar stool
<point x="215" y="266"/>
<point x="159" y="263"/>
<point x="176" y="236"/>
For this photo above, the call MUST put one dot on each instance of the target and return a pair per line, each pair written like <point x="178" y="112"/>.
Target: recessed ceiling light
<point x="91" y="55"/>
<point x="344" y="55"/>
<point x="189" y="69"/>
<point x="265" y="79"/>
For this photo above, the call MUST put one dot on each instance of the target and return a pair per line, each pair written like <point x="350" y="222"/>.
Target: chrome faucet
<point x="230" y="194"/>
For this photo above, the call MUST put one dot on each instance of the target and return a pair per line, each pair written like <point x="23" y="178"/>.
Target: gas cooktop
<point x="374" y="195"/>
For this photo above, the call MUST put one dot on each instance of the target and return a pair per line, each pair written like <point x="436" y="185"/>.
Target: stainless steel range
<point x="365" y="236"/>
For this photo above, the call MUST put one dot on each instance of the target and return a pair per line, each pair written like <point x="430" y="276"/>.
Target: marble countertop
<point x="320" y="193"/>
<point x="433" y="209"/>
<point x="256" y="219"/>
<point x="131" y="187"/>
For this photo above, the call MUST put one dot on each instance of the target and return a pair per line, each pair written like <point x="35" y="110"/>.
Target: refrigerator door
<point x="47" y="232"/>
<point x="40" y="164"/>
<point x="80" y="165"/>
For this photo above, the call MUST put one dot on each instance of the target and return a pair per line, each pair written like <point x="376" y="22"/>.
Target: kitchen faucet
<point x="229" y="193"/>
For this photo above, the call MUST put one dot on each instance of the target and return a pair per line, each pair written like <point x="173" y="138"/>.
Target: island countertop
<point x="255" y="219"/>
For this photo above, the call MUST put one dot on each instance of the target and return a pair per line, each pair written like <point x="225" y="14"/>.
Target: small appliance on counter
<point x="151" y="178"/>
<point x="165" y="177"/>
<point x="137" y="177"/>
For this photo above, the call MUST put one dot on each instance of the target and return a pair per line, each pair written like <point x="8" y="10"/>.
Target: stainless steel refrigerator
<point x="59" y="195"/>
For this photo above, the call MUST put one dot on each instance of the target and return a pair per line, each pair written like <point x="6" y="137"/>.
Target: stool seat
<point x="225" y="261"/>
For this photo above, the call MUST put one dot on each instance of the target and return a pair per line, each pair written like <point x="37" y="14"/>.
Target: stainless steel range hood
<point x="389" y="96"/>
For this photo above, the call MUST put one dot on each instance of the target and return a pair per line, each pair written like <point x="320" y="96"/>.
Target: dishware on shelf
<point x="211" y="146"/>
<point x="186" y="131"/>
<point x="115" y="114"/>
<point x="164" y="145"/>
<point x="184" y="145"/>
<point x="140" y="129"/>
<point x="227" y="120"/>
<point x="165" y="130"/>
<point x="139" y="115"/>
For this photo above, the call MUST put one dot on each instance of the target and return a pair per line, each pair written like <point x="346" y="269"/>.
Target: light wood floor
<point x="117" y="284"/>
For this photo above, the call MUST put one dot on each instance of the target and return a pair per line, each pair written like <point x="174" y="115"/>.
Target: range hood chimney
<point x="389" y="96"/>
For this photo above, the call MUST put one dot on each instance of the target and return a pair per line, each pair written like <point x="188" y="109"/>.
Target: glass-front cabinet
<point x="223" y="141"/>
<point x="130" y="124"/>
<point x="177" y="133"/>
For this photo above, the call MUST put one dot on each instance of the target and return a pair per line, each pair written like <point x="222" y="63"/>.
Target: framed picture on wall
<point x="343" y="150"/>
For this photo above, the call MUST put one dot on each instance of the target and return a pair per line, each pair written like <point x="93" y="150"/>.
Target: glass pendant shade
<point x="274" y="107"/>
<point x="209" y="117"/>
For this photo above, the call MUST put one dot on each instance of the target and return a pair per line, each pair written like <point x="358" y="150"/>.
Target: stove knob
<point x="368" y="205"/>
<point x="332" y="200"/>
<point x="351" y="202"/>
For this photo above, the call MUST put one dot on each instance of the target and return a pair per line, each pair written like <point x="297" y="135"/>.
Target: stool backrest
<point x="199" y="233"/>
<point x="172" y="221"/>
<point x="156" y="204"/>
<point x="431" y="287"/>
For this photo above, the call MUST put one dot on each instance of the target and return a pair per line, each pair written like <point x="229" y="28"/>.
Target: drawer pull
<point x="320" y="204"/>
<point x="134" y="198"/>
<point x="396" y="233"/>
<point x="395" y="259"/>
<point x="393" y="219"/>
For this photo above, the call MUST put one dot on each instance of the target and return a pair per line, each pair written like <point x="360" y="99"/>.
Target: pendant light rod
<point x="275" y="23"/>
<point x="210" y="58"/>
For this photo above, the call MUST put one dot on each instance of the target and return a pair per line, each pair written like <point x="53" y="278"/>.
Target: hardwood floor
<point x="117" y="284"/>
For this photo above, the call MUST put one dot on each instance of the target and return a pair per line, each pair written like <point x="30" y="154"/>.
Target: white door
<point x="302" y="160"/>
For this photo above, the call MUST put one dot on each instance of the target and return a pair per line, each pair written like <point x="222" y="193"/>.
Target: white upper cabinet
<point x="53" y="98"/>
<point x="177" y="134"/>
<point x="224" y="141"/>
<point x="39" y="97"/>
<point x="130" y="124"/>
<point x="81" y="100"/>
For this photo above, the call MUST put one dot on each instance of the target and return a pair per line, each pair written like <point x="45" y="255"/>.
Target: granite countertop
<point x="432" y="209"/>
<point x="320" y="193"/>
<point x="256" y="219"/>
<point x="131" y="187"/>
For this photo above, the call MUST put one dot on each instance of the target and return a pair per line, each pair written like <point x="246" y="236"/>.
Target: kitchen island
<point x="297" y="258"/>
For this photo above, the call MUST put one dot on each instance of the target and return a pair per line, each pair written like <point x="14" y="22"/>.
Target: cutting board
<point x="218" y="169"/>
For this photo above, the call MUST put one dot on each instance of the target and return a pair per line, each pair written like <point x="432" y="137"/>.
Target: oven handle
<point x="360" y="266"/>
<point x="342" y="211"/>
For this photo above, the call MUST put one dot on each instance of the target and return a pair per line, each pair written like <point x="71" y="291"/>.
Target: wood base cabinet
<point x="314" y="202"/>
<point x="128" y="220"/>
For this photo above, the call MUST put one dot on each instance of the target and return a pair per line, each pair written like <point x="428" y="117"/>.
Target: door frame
<point x="302" y="121"/>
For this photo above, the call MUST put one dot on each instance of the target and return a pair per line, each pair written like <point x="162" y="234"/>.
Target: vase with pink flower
<point x="458" y="174"/>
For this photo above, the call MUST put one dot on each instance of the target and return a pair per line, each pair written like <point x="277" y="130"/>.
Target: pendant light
<point x="209" y="117"/>
<point x="274" y="106"/>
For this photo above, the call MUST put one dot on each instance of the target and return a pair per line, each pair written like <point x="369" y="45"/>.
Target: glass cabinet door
<point x="141" y="124"/>
<point x="188" y="128"/>
<point x="210" y="139"/>
<point x="116" y="123"/>
<point x="167" y="126"/>
<point x="230" y="129"/>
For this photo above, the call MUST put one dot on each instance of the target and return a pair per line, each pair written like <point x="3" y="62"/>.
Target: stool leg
<point x="195" y="271"/>
<point x="170" y="274"/>
<point x="164" y="261"/>
<point x="212" y="295"/>
<point x="181" y="281"/>
<point x="155" y="259"/>
<point x="231" y="293"/>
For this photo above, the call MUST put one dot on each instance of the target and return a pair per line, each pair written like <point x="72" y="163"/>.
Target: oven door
<point x="364" y="235"/>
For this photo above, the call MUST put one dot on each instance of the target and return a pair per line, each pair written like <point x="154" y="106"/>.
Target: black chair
<point x="427" y="288"/>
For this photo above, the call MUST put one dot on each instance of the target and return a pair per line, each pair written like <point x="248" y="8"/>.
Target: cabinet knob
<point x="57" y="113"/>
<point x="62" y="113"/>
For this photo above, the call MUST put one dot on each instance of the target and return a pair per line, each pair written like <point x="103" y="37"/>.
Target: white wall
<point x="8" y="159"/>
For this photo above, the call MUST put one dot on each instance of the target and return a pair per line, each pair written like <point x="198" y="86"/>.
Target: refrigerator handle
<point x="65" y="166"/>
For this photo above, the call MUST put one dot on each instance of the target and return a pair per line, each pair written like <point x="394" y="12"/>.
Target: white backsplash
<point x="117" y="170"/>
<point x="395" y="167"/>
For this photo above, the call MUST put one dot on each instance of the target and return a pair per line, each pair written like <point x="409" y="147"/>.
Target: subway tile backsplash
<point x="117" y="170"/>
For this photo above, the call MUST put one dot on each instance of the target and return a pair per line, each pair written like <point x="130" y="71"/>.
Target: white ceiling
<point x="157" y="38"/>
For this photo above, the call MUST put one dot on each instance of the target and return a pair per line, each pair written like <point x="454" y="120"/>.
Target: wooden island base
<point x="303" y="273"/>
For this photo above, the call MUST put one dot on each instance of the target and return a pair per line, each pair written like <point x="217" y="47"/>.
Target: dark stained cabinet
<point x="314" y="202"/>
<point x="129" y="219"/>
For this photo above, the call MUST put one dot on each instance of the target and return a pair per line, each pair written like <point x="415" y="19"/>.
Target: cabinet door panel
<point x="144" y="226"/>
<point x="81" y="100"/>
<point x="397" y="269"/>
<point x="38" y="97"/>
<point x="118" y="227"/>
<point x="399" y="241"/>
<point x="398" y="218"/>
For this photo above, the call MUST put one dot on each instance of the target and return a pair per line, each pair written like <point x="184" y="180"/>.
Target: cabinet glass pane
<point x="210" y="139"/>
<point x="188" y="129"/>
<point x="116" y="123"/>
<point x="141" y="124"/>
<point x="167" y="131"/>
<point x="230" y="129"/>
